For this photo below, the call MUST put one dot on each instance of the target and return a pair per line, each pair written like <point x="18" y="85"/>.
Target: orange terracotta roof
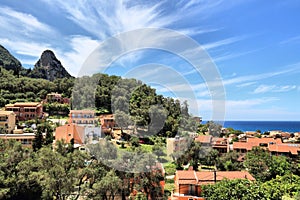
<point x="27" y="104"/>
<point x="285" y="148"/>
<point x="185" y="174"/>
<point x="204" y="139"/>
<point x="255" y="142"/>
<point x="207" y="177"/>
<point x="106" y="116"/>
<point x="258" y="141"/>
<point x="243" y="145"/>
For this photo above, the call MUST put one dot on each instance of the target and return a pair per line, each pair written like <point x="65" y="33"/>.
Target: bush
<point x="170" y="168"/>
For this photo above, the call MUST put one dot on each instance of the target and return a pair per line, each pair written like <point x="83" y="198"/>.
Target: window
<point x="192" y="189"/>
<point x="69" y="134"/>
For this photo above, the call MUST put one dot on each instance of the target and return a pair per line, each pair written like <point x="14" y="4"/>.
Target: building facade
<point x="55" y="97"/>
<point x="26" y="139"/>
<point x="178" y="145"/>
<point x="83" y="117"/>
<point x="26" y="110"/>
<point x="188" y="183"/>
<point x="8" y="120"/>
<point x="107" y="121"/>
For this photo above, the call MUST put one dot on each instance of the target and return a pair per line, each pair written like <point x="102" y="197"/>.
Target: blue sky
<point x="254" y="44"/>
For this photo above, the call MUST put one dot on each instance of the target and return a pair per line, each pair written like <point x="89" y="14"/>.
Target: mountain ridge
<point x="47" y="66"/>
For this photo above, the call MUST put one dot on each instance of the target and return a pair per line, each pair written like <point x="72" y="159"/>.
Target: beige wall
<point x="8" y="120"/>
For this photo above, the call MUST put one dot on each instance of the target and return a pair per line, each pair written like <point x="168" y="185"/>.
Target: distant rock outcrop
<point x="9" y="62"/>
<point x="49" y="67"/>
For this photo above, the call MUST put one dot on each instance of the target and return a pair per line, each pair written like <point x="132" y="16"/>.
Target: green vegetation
<point x="9" y="62"/>
<point x="134" y="104"/>
<point x="66" y="174"/>
<point x="170" y="168"/>
<point x="287" y="185"/>
<point x="22" y="89"/>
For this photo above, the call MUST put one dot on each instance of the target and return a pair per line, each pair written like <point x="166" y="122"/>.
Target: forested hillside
<point x="9" y="62"/>
<point x="133" y="101"/>
<point x="14" y="88"/>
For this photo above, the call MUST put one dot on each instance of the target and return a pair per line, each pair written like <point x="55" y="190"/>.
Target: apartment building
<point x="26" y="139"/>
<point x="26" y="110"/>
<point x="8" y="120"/>
<point x="177" y="145"/>
<point x="83" y="117"/>
<point x="107" y="121"/>
<point x="188" y="183"/>
<point x="56" y="97"/>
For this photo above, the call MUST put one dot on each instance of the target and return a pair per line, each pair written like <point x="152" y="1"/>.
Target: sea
<point x="263" y="126"/>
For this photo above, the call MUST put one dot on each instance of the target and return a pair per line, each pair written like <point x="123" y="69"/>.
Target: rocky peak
<point x="9" y="62"/>
<point x="49" y="67"/>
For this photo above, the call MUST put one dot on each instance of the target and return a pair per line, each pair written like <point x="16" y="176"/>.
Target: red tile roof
<point x="255" y="142"/>
<point x="204" y="139"/>
<point x="242" y="145"/>
<point x="207" y="177"/>
<point x="258" y="141"/>
<point x="285" y="148"/>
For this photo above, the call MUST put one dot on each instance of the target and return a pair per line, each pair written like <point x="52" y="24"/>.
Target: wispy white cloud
<point x="248" y="108"/>
<point x="197" y="31"/>
<point x="246" y="84"/>
<point x="263" y="89"/>
<point x="295" y="39"/>
<point x="229" y="56"/>
<point x="223" y="42"/>
<point x="273" y="88"/>
<point x="242" y="81"/>
<point x="20" y="26"/>
<point x="107" y="18"/>
<point x="81" y="48"/>
<point x="294" y="68"/>
<point x="24" y="35"/>
<point x="104" y="19"/>
<point x="29" y="37"/>
<point x="28" y="48"/>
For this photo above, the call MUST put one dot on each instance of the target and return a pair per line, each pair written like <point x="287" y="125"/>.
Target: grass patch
<point x="147" y="148"/>
<point x="169" y="187"/>
<point x="170" y="168"/>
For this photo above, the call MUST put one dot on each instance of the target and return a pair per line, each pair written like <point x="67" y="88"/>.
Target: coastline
<point x="263" y="126"/>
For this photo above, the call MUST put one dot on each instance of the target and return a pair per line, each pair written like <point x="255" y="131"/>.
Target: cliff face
<point x="9" y="62"/>
<point x="49" y="67"/>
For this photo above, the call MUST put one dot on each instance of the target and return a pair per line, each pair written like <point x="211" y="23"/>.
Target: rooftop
<point x="285" y="148"/>
<point x="18" y="104"/>
<point x="204" y="139"/>
<point x="208" y="177"/>
<point x="3" y="112"/>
